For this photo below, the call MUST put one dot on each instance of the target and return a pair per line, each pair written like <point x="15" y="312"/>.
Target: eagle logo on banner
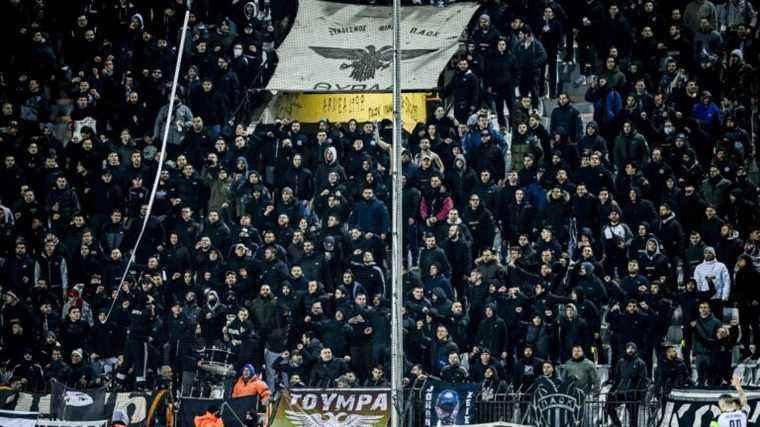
<point x="365" y="62"/>
<point x="302" y="419"/>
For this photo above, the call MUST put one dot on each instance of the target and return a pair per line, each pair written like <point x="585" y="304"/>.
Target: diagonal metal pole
<point x="397" y="238"/>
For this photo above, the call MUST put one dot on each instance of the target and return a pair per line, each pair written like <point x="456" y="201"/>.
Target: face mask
<point x="668" y="130"/>
<point x="237" y="52"/>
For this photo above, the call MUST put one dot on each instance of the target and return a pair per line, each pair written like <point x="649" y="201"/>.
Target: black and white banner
<point x="18" y="418"/>
<point x="338" y="47"/>
<point x="557" y="403"/>
<point x="135" y="405"/>
<point x="78" y="405"/>
<point x="697" y="408"/>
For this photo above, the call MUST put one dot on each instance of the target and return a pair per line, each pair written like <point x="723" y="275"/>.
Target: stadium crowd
<point x="532" y="246"/>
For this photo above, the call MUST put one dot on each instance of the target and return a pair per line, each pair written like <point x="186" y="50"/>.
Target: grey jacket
<point x="182" y="114"/>
<point x="584" y="372"/>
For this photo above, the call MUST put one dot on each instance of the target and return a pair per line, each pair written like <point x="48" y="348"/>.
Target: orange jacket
<point x="208" y="420"/>
<point x="252" y="387"/>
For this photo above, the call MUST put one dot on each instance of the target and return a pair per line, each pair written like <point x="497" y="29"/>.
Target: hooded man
<point x="250" y="384"/>
<point x="212" y="318"/>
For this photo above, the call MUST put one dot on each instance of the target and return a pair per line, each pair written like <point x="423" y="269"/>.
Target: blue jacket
<point x="708" y="115"/>
<point x="370" y="216"/>
<point x="606" y="108"/>
<point x="439" y="281"/>
<point x="472" y="139"/>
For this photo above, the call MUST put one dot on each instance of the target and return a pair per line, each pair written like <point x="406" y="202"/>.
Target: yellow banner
<point x="362" y="107"/>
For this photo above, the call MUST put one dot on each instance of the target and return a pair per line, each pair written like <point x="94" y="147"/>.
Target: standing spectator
<point x="712" y="270"/>
<point x="629" y="383"/>
<point x="582" y="370"/>
<point x="531" y="58"/>
<point x="705" y="342"/>
<point x="671" y="373"/>
<point x="464" y="88"/>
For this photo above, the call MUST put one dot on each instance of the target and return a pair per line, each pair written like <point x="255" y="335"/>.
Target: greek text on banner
<point x="311" y="108"/>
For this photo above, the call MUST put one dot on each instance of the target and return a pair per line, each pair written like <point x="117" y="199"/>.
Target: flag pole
<point x="397" y="242"/>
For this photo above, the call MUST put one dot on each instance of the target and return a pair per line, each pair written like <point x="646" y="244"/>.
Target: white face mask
<point x="237" y="52"/>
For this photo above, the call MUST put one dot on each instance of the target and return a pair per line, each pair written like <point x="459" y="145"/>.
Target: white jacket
<point x="722" y="278"/>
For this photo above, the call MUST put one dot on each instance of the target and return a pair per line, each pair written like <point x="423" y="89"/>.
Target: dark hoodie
<point x="746" y="279"/>
<point x="492" y="332"/>
<point x="630" y="376"/>
<point x="481" y="225"/>
<point x="653" y="264"/>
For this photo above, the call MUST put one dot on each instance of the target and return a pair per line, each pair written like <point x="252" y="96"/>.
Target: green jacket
<point x="584" y="372"/>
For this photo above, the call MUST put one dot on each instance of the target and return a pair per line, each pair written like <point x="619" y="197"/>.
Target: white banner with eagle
<point x="338" y="47"/>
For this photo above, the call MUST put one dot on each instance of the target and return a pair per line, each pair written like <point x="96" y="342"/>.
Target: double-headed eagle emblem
<point x="365" y="62"/>
<point x="342" y="419"/>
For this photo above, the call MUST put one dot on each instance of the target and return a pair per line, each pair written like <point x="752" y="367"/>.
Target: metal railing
<point x="518" y="408"/>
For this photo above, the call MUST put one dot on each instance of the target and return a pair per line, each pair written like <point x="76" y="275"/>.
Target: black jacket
<point x="481" y="224"/>
<point x="568" y="118"/>
<point x="492" y="334"/>
<point x="323" y="374"/>
<point x="671" y="374"/>
<point x="630" y="377"/>
<point x="464" y="86"/>
<point x="501" y="70"/>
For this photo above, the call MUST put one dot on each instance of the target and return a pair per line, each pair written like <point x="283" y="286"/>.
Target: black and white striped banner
<point x="18" y="418"/>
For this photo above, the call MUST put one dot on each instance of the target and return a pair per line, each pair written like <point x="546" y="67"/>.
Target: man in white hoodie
<point x="713" y="270"/>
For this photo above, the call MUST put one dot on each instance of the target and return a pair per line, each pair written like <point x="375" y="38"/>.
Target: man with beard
<point x="629" y="383"/>
<point x="671" y="373"/>
<point x="617" y="237"/>
<point x="457" y="252"/>
<point x="479" y="221"/>
<point x="669" y="231"/>
<point x="583" y="370"/>
<point x="464" y="88"/>
<point x="705" y="329"/>
<point x="526" y="370"/>
<point x="566" y="116"/>
<point x="632" y="326"/>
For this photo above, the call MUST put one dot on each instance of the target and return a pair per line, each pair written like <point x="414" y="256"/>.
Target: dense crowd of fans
<point x="529" y="243"/>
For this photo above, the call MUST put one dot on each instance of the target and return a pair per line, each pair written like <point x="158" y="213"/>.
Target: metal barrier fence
<point x="517" y="408"/>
